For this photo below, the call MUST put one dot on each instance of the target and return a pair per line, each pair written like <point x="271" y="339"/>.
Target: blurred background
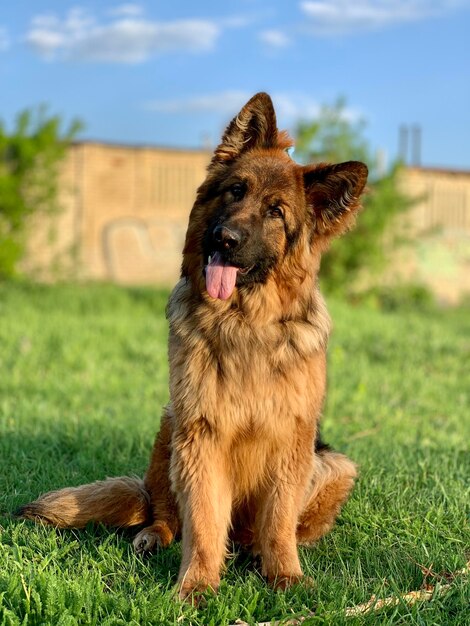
<point x="110" y="110"/>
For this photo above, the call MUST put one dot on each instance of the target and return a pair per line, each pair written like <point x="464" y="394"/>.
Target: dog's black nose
<point x="226" y="237"/>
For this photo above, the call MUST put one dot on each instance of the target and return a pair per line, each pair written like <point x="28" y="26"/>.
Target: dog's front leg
<point x="200" y="481"/>
<point x="276" y="521"/>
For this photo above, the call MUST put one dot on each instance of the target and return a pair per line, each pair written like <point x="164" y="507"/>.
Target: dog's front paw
<point x="281" y="582"/>
<point x="193" y="590"/>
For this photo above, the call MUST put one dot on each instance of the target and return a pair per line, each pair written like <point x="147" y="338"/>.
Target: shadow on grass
<point x="50" y="459"/>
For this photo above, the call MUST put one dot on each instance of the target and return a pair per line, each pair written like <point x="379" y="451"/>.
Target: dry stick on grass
<point x="292" y="622"/>
<point x="375" y="604"/>
<point x="427" y="593"/>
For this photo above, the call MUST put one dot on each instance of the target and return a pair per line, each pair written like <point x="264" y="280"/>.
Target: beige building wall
<point x="438" y="254"/>
<point x="126" y="211"/>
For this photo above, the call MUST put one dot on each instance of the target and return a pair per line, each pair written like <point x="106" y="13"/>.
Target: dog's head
<point x="258" y="211"/>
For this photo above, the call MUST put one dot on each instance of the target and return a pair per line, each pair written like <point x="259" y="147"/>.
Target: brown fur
<point x="238" y="451"/>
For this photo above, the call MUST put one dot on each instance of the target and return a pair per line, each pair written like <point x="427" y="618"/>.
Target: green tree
<point x="30" y="157"/>
<point x="333" y="137"/>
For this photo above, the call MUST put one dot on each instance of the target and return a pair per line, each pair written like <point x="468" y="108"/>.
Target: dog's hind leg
<point x="165" y="523"/>
<point x="332" y="483"/>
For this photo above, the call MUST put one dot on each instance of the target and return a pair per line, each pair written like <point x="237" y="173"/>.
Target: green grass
<point x="83" y="377"/>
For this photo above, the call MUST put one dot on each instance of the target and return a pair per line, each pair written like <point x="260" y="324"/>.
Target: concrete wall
<point x="439" y="226"/>
<point x="125" y="215"/>
<point x="126" y="211"/>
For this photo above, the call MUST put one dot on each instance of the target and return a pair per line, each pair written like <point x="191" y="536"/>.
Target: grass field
<point x="83" y="376"/>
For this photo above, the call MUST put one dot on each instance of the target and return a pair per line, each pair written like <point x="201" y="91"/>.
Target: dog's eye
<point x="238" y="191"/>
<point x="275" y="211"/>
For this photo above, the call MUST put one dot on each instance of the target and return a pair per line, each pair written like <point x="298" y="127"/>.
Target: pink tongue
<point x="220" y="278"/>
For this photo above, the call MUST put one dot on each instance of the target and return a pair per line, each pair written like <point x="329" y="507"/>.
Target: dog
<point x="239" y="454"/>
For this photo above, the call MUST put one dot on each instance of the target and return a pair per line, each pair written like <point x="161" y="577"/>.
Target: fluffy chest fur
<point x="246" y="373"/>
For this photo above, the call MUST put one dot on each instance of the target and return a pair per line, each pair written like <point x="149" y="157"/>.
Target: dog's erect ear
<point x="333" y="193"/>
<point x="254" y="127"/>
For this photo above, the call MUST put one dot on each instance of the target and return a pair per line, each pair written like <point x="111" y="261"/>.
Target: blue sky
<point x="173" y="73"/>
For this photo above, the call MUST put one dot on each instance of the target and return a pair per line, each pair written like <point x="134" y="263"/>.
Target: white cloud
<point x="274" y="38"/>
<point x="4" y="39"/>
<point x="225" y="103"/>
<point x="123" y="39"/>
<point x="289" y="106"/>
<point x="336" y="17"/>
<point x="128" y="10"/>
<point x="292" y="107"/>
<point x="235" y="21"/>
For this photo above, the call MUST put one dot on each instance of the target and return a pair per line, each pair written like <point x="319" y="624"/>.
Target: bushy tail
<point x="117" y="502"/>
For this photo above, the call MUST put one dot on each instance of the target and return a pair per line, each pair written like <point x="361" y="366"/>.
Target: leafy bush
<point x="29" y="163"/>
<point x="334" y="138"/>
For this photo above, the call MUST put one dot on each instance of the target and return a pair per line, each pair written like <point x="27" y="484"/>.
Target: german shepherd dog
<point x="239" y="453"/>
